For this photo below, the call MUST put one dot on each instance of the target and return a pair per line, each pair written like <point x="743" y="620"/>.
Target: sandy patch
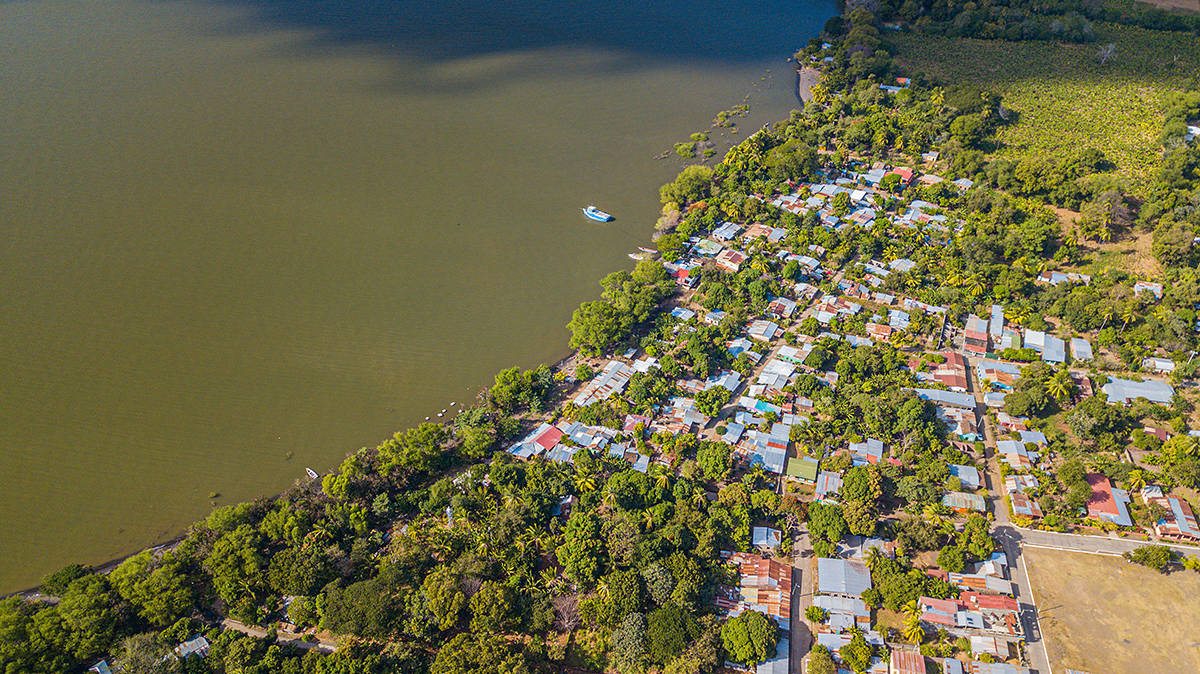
<point x="1103" y="614"/>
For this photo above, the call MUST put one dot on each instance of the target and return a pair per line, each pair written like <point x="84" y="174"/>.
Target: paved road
<point x="1013" y="539"/>
<point x="1009" y="537"/>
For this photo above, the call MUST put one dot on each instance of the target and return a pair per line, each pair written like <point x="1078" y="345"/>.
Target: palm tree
<point x="913" y="632"/>
<point x="1106" y="312"/>
<point x="1127" y="315"/>
<point x="874" y="557"/>
<point x="758" y="472"/>
<point x="1137" y="480"/>
<point x="912" y="609"/>
<point x="609" y="501"/>
<point x="1057" y="387"/>
<point x="585" y="482"/>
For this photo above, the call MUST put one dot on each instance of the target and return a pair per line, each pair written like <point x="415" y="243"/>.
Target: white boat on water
<point x="311" y="473"/>
<point x="596" y="214"/>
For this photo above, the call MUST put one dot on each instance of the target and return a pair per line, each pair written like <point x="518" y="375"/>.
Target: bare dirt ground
<point x="1193" y="5"/>
<point x="1103" y="614"/>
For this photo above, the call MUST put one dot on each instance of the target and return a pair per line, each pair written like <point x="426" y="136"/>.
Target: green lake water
<point x="238" y="239"/>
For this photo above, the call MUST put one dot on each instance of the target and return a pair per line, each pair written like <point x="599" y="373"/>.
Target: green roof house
<point x="802" y="469"/>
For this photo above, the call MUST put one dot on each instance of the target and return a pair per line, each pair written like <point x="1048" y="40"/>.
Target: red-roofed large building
<point x="548" y="438"/>
<point x="1107" y="502"/>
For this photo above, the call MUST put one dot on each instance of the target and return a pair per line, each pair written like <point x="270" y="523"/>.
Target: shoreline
<point x="806" y="78"/>
<point x="564" y="361"/>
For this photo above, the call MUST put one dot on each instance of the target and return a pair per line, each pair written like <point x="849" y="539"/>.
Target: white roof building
<point x="1081" y="349"/>
<point x="1126" y="390"/>
<point x="844" y="577"/>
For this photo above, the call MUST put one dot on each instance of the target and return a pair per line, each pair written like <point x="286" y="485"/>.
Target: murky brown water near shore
<point x="236" y="241"/>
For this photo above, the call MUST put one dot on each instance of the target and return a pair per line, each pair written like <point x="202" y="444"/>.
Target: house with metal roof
<point x="802" y="469"/>
<point x="1125" y="391"/>
<point x="907" y="662"/>
<point x="1081" y="349"/>
<point x="842" y="577"/>
<point x="952" y="373"/>
<point x="1178" y="522"/>
<point x="762" y="330"/>
<point x="963" y="502"/>
<point x="728" y="231"/>
<point x="1107" y="502"/>
<point x="197" y="645"/>
<point x="862" y="453"/>
<point x="730" y="260"/>
<point x="1054" y="350"/>
<point x="1155" y="289"/>
<point x="682" y="313"/>
<point x="951" y="398"/>
<point x="782" y="307"/>
<point x="855" y="612"/>
<point x="968" y="475"/>
<point x="993" y="646"/>
<point x="733" y="432"/>
<point x="994" y="399"/>
<point x="1158" y="364"/>
<point x="1015" y="454"/>
<point x="997" y="373"/>
<point x="1014" y="483"/>
<point x="975" y="337"/>
<point x="973" y="613"/>
<point x="780" y="662"/>
<point x="828" y="486"/>
<point x="1036" y="437"/>
<point x="612" y="379"/>
<point x="1024" y="506"/>
<point x="766" y="537"/>
<point x="767" y="448"/>
<point x="764" y="585"/>
<point x="1035" y="339"/>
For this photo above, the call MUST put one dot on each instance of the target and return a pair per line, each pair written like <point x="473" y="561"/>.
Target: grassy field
<point x="1103" y="614"/>
<point x="1064" y="96"/>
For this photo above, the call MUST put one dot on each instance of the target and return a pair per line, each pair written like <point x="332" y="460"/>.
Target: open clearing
<point x="1193" y="5"/>
<point x="1065" y="98"/>
<point x="1103" y="614"/>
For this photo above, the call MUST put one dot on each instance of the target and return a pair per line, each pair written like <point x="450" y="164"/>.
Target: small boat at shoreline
<point x="647" y="250"/>
<point x="312" y="474"/>
<point x="596" y="214"/>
